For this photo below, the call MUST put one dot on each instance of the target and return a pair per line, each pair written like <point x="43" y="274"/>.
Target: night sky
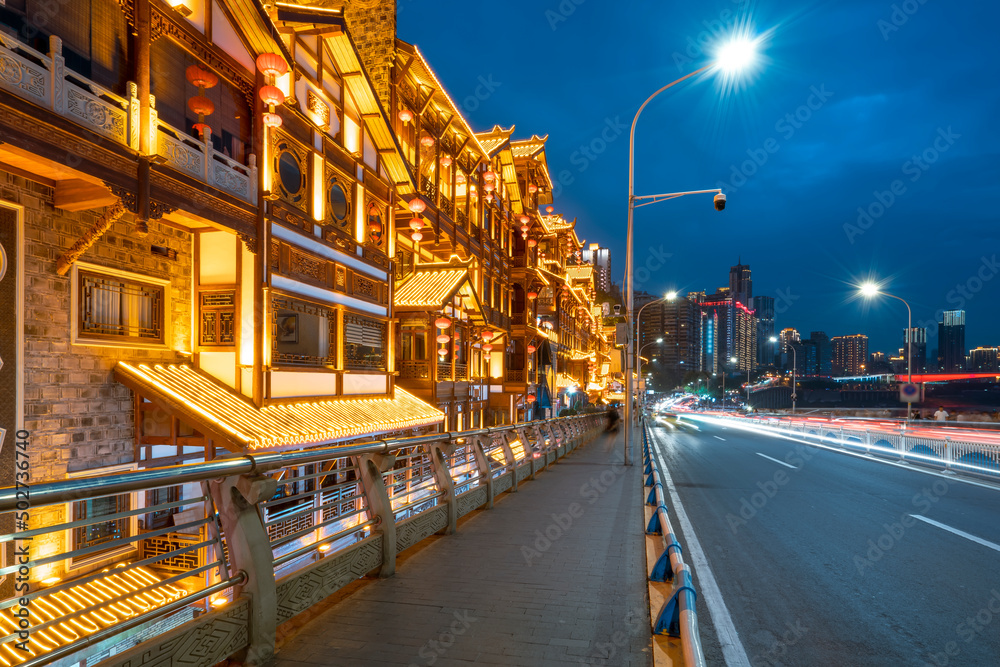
<point x="887" y="107"/>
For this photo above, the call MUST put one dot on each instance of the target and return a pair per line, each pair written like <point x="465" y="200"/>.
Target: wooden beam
<point x="80" y="195"/>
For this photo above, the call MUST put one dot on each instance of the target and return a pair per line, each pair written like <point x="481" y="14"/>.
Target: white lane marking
<point x="960" y="533"/>
<point x="732" y="648"/>
<point x="868" y="457"/>
<point x="787" y="465"/>
<point x="722" y="439"/>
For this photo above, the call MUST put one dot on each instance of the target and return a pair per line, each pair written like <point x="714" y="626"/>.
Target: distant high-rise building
<point x="740" y="284"/>
<point x="763" y="307"/>
<point x="824" y="353"/>
<point x="730" y="330"/>
<point x="680" y="327"/>
<point x="601" y="259"/>
<point x="916" y="340"/>
<point x="787" y="338"/>
<point x="951" y="341"/>
<point x="984" y="360"/>
<point x="878" y="364"/>
<point x="850" y="355"/>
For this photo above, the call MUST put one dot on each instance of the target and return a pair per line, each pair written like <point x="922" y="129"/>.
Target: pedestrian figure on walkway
<point x="613" y="419"/>
<point x="941" y="414"/>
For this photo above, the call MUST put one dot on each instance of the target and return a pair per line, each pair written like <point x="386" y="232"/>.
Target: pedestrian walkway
<point x="553" y="575"/>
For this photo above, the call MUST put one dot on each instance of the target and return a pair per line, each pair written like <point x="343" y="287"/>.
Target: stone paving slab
<point x="553" y="575"/>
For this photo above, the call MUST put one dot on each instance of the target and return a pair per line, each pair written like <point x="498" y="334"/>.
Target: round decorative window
<point x="336" y="199"/>
<point x="290" y="173"/>
<point x="375" y="227"/>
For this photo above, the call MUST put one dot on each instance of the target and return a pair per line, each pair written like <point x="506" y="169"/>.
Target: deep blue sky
<point x="892" y="93"/>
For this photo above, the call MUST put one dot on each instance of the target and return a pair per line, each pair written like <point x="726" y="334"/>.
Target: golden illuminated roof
<point x="433" y="286"/>
<point x="232" y="420"/>
<point x="495" y="139"/>
<point x="529" y="147"/>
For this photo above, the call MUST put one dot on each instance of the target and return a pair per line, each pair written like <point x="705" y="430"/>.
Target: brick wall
<point x="372" y="24"/>
<point x="79" y="418"/>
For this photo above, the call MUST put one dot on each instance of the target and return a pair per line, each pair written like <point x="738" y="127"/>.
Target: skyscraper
<point x="601" y="259"/>
<point x="824" y="353"/>
<point x="850" y="355"/>
<point x="740" y="285"/>
<point x="951" y="341"/>
<point x="984" y="360"/>
<point x="764" y="310"/>
<point x="916" y="340"/>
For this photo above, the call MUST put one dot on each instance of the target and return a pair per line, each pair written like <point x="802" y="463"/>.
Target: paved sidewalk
<point x="512" y="586"/>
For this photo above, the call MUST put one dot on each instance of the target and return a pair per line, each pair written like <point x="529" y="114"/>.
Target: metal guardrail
<point x="931" y="443"/>
<point x="678" y="617"/>
<point x="255" y="541"/>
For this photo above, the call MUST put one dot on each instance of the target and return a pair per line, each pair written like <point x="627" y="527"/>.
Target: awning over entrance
<point x="432" y="287"/>
<point x="235" y="423"/>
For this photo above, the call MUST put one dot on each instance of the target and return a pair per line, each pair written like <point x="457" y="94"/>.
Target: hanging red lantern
<point x="272" y="64"/>
<point x="532" y="295"/>
<point x="530" y="398"/>
<point x="549" y="209"/>
<point x="524" y="229"/>
<point x="487" y="348"/>
<point x="445" y="161"/>
<point x="416" y="236"/>
<point x="201" y="106"/>
<point x="427" y="141"/>
<point x="444" y="339"/>
<point x="416" y="224"/>
<point x="487" y="334"/>
<point x="272" y="96"/>
<point x="532" y="188"/>
<point x="442" y="352"/>
<point x="201" y="77"/>
<point x="532" y="243"/>
<point x="524" y="219"/>
<point x="405" y="115"/>
<point x="489" y="199"/>
<point x="489" y="176"/>
<point x="417" y="205"/>
<point x="442" y="323"/>
<point x="488" y="186"/>
<point x="272" y="120"/>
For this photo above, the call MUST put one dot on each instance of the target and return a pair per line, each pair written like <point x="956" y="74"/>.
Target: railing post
<point x="485" y="471"/>
<point x="370" y="469"/>
<point x="236" y="500"/>
<point x="206" y="137"/>
<point x="868" y="441"/>
<point x="252" y="192"/>
<point x="508" y="456"/>
<point x="57" y="75"/>
<point x="133" y="116"/>
<point x="438" y="454"/>
<point x="528" y="451"/>
<point x="948" y="455"/>
<point x="154" y="126"/>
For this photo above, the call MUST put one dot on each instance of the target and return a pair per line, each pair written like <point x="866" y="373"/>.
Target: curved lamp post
<point x="869" y="290"/>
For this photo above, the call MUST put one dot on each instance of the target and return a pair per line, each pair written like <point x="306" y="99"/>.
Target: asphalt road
<point x="821" y="561"/>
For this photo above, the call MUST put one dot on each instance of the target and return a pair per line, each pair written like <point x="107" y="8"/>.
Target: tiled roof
<point x="222" y="413"/>
<point x="430" y="288"/>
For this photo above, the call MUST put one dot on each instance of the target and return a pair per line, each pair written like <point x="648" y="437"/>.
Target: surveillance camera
<point x="720" y="202"/>
<point x="618" y="310"/>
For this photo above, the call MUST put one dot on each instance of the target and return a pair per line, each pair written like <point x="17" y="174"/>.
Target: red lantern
<point x="532" y="188"/>
<point x="487" y="348"/>
<point x="524" y="219"/>
<point x="416" y="236"/>
<point x="417" y="205"/>
<point x="531" y="398"/>
<point x="446" y="161"/>
<point x="442" y="323"/>
<point x="489" y="199"/>
<point x="442" y="352"/>
<point x="272" y="64"/>
<point x="532" y="243"/>
<point x="201" y="78"/>
<point x="272" y="120"/>
<point x="444" y="339"/>
<point x="524" y="229"/>
<point x="487" y="334"/>
<point x="549" y="209"/>
<point x="488" y="186"/>
<point x="427" y="141"/>
<point x="405" y="115"/>
<point x="272" y="96"/>
<point x="532" y="295"/>
<point x="489" y="176"/>
<point x="201" y="106"/>
<point x="416" y="224"/>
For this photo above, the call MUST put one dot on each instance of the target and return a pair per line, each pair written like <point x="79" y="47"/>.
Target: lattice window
<point x="102" y="533"/>
<point x="366" y="288"/>
<point x="172" y="542"/>
<point x="364" y="343"/>
<point x="120" y="309"/>
<point x="218" y="318"/>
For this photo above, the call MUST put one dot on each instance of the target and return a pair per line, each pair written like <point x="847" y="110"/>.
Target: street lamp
<point x="655" y="342"/>
<point x="731" y="58"/>
<point x="638" y="320"/>
<point x="870" y="290"/>
<point x="792" y="348"/>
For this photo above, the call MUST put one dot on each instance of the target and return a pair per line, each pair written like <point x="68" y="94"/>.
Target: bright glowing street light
<point x="732" y="58"/>
<point x="671" y="296"/>
<point x="871" y="289"/>
<point x="736" y="55"/>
